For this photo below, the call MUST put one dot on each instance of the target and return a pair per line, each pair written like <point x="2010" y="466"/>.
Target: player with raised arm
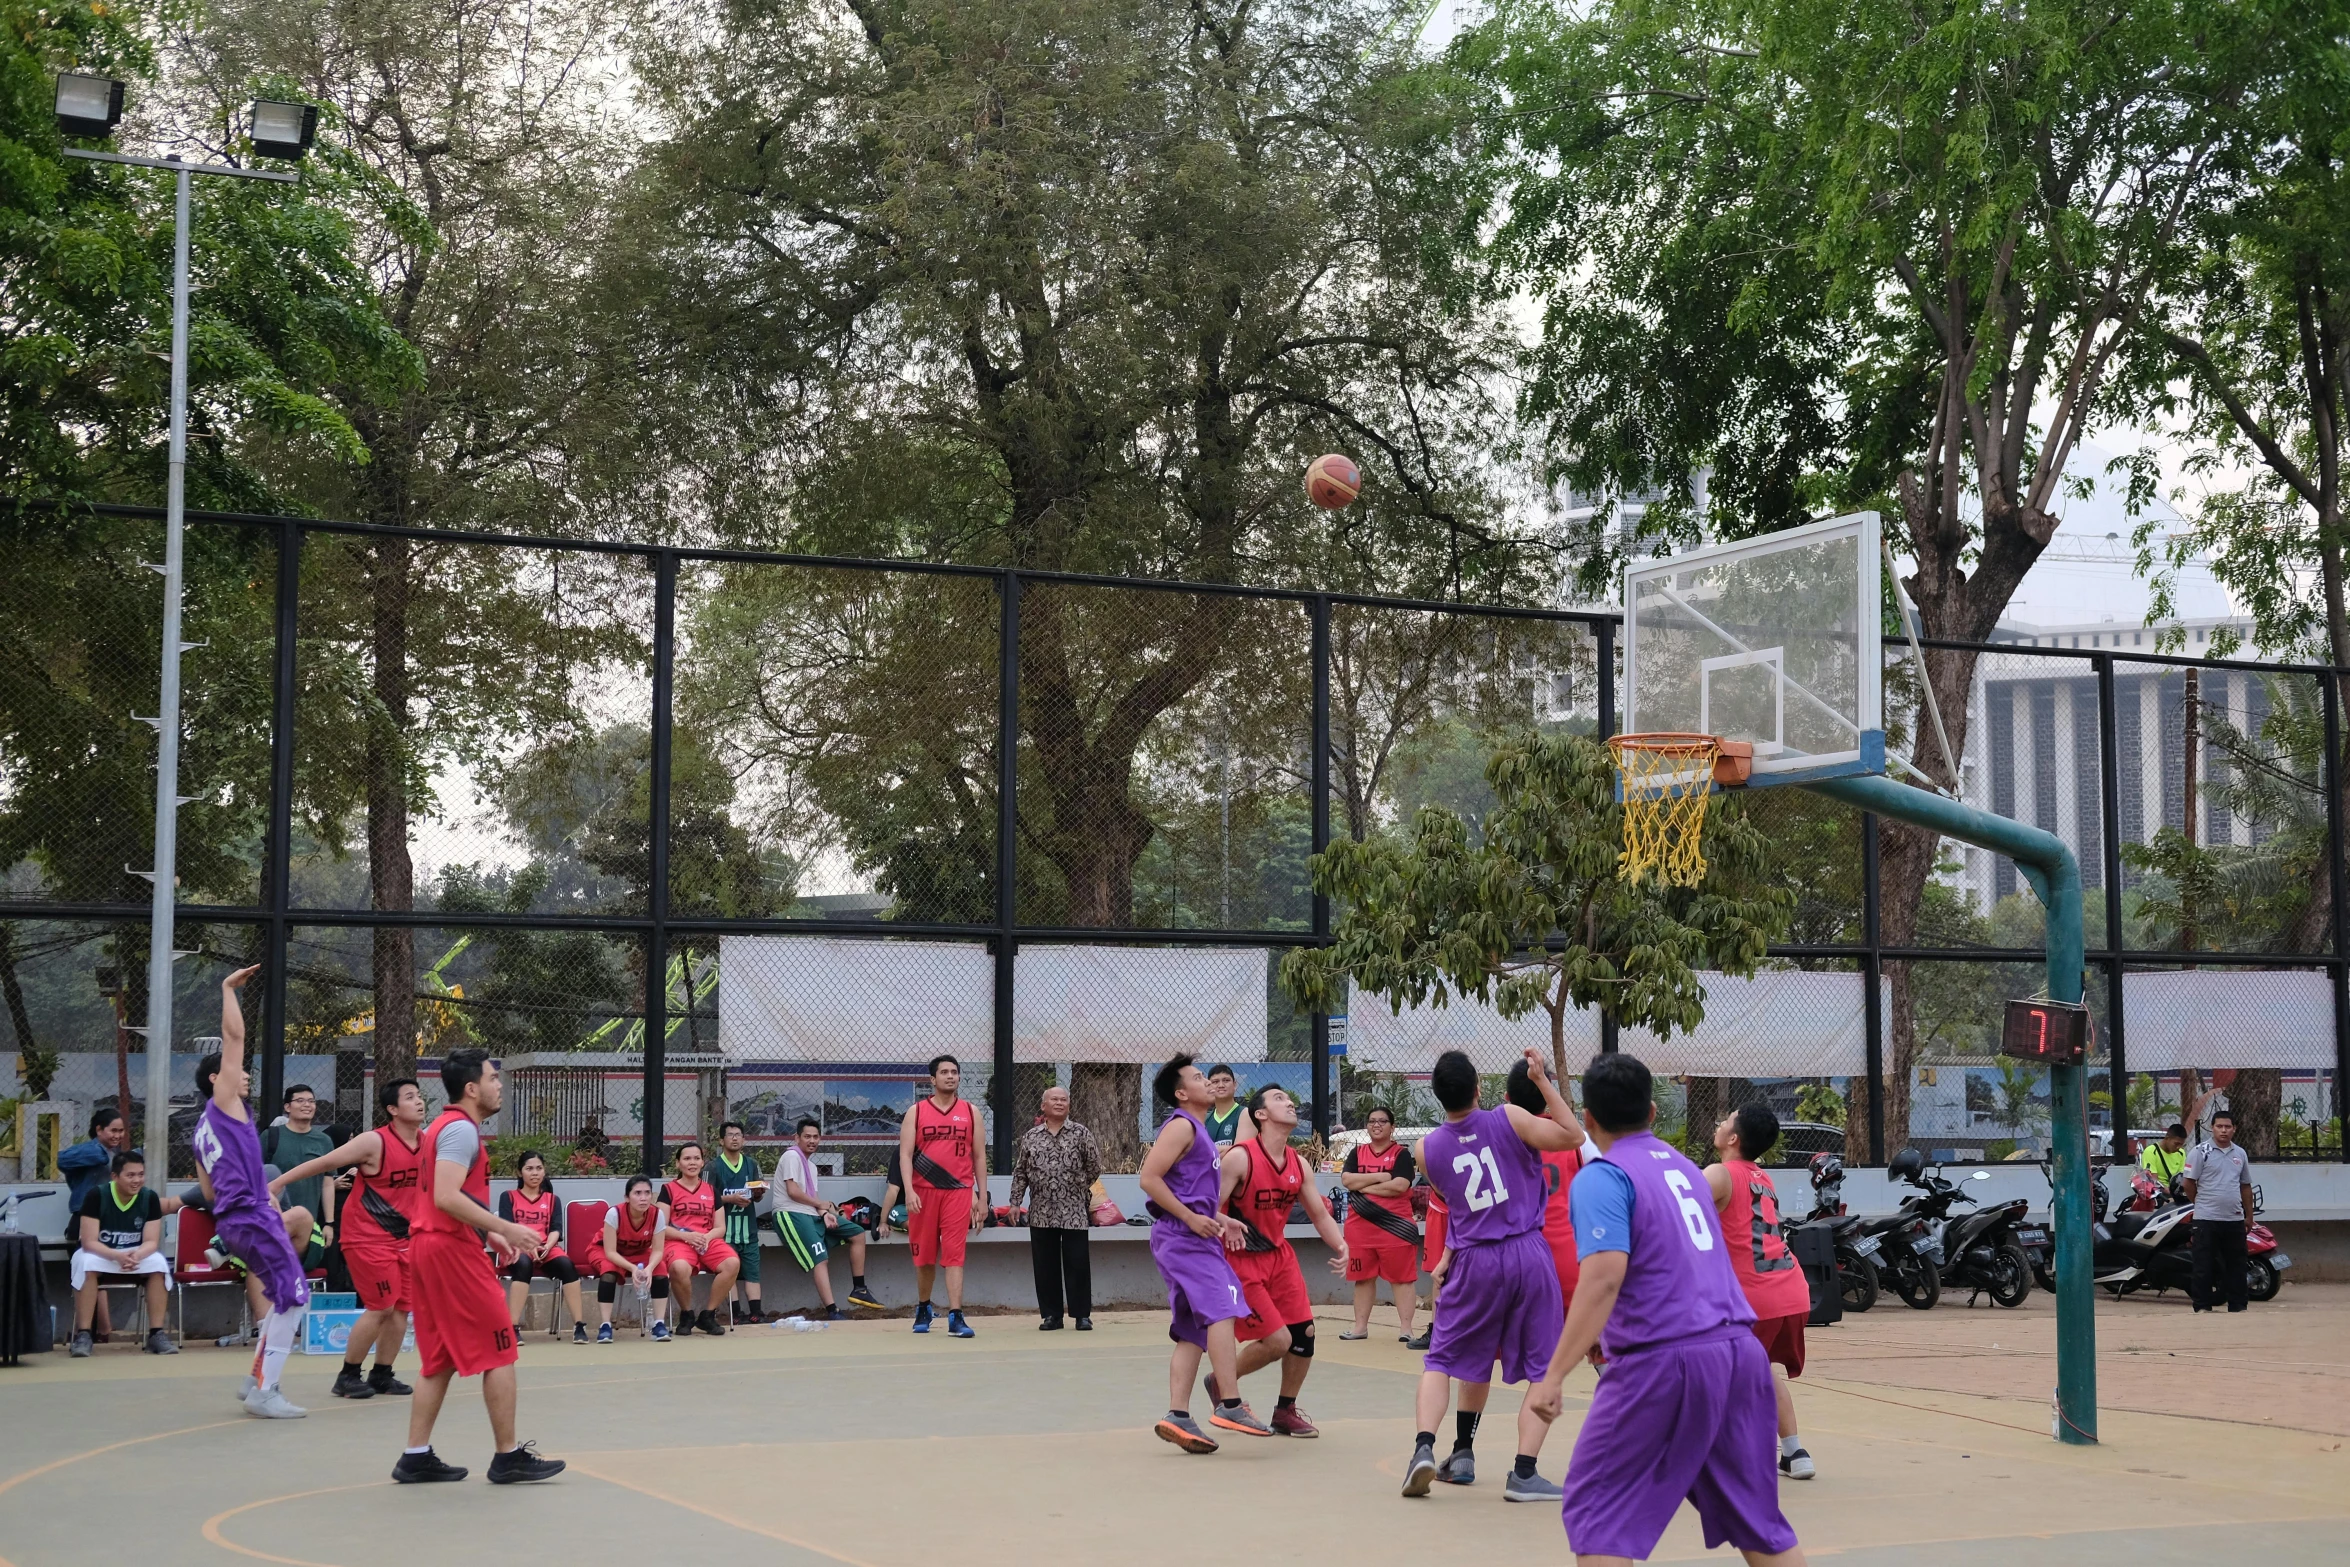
<point x="1499" y="1297"/>
<point x="1382" y="1241"/>
<point x="461" y="1323"/>
<point x="1181" y="1184"/>
<point x="942" y="1149"/>
<point x="1262" y="1179"/>
<point x="1748" y="1207"/>
<point x="1685" y="1408"/>
<point x="245" y="1220"/>
<point x="376" y="1224"/>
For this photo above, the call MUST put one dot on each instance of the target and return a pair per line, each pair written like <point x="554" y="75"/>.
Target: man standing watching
<point x="1382" y="1241"/>
<point x="734" y="1172"/>
<point x="942" y="1147"/>
<point x="1055" y="1167"/>
<point x="461" y="1323"/>
<point x="2219" y="1184"/>
<point x="811" y="1227"/>
<point x="2166" y="1160"/>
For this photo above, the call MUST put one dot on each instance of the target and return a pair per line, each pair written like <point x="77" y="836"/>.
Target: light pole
<point x="90" y="106"/>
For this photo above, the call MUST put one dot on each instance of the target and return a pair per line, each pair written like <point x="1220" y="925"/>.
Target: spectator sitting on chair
<point x="736" y="1175"/>
<point x="297" y="1139"/>
<point x="695" y="1243"/>
<point x="85" y="1166"/>
<point x="121" y="1224"/>
<point x="534" y="1206"/>
<point x="630" y="1249"/>
<point x="1055" y="1167"/>
<point x="811" y="1227"/>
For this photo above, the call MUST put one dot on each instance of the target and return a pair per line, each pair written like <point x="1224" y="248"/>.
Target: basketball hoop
<point x="1666" y="779"/>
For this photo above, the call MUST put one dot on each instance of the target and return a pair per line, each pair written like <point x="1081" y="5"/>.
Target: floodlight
<point x="88" y="105"/>
<point x="283" y="130"/>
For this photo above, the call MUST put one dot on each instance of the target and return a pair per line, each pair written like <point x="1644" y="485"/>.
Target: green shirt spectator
<point x="297" y="1140"/>
<point x="733" y="1170"/>
<point x="2166" y="1160"/>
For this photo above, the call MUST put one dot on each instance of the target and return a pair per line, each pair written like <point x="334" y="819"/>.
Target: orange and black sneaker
<point x="1185" y="1433"/>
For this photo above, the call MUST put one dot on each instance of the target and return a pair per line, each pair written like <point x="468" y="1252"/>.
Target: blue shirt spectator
<point x="87" y="1165"/>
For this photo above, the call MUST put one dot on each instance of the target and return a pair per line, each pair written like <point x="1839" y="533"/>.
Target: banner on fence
<point x="2228" y="1018"/>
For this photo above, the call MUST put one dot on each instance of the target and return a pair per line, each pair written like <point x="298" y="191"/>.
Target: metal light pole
<point x="90" y="106"/>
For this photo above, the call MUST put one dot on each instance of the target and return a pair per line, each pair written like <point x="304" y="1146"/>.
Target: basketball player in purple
<point x="1500" y="1298"/>
<point x="1685" y="1407"/>
<point x="1189" y="1234"/>
<point x="245" y="1219"/>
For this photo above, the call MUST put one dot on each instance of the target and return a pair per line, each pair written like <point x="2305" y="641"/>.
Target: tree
<point x="1876" y="254"/>
<point x="1535" y="913"/>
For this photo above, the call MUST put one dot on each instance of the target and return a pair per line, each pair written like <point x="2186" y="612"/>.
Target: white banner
<point x="1783" y="1023"/>
<point x="1139" y="1004"/>
<point x="2213" y="1017"/>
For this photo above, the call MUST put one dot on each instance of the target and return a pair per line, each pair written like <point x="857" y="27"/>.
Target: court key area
<point x="869" y="1446"/>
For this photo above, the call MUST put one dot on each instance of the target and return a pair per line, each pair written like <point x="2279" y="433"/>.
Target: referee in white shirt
<point x="2219" y="1183"/>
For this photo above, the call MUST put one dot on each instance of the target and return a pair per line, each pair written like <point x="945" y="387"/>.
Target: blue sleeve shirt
<point x="1602" y="1198"/>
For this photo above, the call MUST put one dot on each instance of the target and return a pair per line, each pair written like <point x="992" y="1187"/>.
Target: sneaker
<point x="1420" y="1342"/>
<point x="421" y="1468"/>
<point x="1420" y="1473"/>
<point x="579" y="1333"/>
<point x="1459" y="1467"/>
<point x="237" y="1340"/>
<point x="660" y="1332"/>
<point x="685" y="1325"/>
<point x="1293" y="1422"/>
<point x="1529" y="1488"/>
<point x="159" y="1343"/>
<point x="82" y="1340"/>
<point x="349" y="1383"/>
<point x="862" y="1295"/>
<point x="708" y="1322"/>
<point x="922" y="1317"/>
<point x="1352" y="1338"/>
<point x="246" y="1387"/>
<point x="834" y="1314"/>
<point x="381" y="1379"/>
<point x="1239" y="1419"/>
<point x="1797" y="1465"/>
<point x="522" y="1466"/>
<point x="1185" y="1433"/>
<point x="268" y="1403"/>
<point x="604" y="1334"/>
<point x="958" y="1327"/>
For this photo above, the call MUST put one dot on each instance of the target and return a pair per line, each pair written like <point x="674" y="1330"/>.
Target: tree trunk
<point x="390" y="869"/>
<point x="34" y="1065"/>
<point x="2257" y="1096"/>
<point x="1858" y="1093"/>
<point x="1107" y="1097"/>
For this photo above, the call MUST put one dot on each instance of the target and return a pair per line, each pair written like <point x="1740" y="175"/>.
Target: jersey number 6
<point x="1701" y="1230"/>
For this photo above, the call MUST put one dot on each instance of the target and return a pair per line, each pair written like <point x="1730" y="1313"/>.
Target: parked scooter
<point x="2149" y="1245"/>
<point x="1857" y="1251"/>
<point x="1911" y="1263"/>
<point x="1981" y="1251"/>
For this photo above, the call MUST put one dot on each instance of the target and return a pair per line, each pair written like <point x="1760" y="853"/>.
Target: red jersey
<point x="1367" y="1160"/>
<point x="382" y="1208"/>
<point x="536" y="1214"/>
<point x="691" y="1208"/>
<point x="426" y="1218"/>
<point x="944" y="1159"/>
<point x="1558" y="1216"/>
<point x="1265" y="1195"/>
<point x="635" y="1239"/>
<point x="1766" y="1269"/>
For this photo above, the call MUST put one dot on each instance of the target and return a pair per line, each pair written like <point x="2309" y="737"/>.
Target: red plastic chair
<point x="189" y="1269"/>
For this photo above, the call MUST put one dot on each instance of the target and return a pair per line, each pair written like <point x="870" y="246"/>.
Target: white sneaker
<point x="246" y="1387"/>
<point x="268" y="1403"/>
<point x="1797" y="1465"/>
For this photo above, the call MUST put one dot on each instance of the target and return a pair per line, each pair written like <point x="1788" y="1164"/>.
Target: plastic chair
<point x="189" y="1269"/>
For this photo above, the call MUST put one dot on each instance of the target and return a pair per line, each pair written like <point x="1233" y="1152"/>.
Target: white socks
<point x="279" y="1330"/>
<point x="1789" y="1446"/>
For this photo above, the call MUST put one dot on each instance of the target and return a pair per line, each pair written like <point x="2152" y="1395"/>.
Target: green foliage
<point x="1821" y="1103"/>
<point x="1533" y="912"/>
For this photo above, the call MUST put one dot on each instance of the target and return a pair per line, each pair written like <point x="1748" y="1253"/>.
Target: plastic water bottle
<point x="798" y="1324"/>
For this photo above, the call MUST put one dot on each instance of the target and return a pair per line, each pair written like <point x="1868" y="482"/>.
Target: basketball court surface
<point x="869" y="1446"/>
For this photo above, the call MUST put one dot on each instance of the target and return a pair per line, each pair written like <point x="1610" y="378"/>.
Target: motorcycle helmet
<point x="1907" y="1165"/>
<point x="1826" y="1169"/>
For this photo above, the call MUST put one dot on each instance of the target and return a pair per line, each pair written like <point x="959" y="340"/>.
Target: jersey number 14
<point x="1485" y="1185"/>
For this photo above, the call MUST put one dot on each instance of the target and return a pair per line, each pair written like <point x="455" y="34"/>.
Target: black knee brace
<point x="1301" y="1340"/>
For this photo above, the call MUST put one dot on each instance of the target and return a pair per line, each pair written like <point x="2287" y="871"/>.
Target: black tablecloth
<point x="24" y="1303"/>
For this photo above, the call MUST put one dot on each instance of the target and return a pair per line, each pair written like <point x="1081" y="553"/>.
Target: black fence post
<point x="1872" y="972"/>
<point x="1324" y="1119"/>
<point x="1607" y="728"/>
<point x="2117" y="1073"/>
<point x="1007" y="862"/>
<point x="656" y="1082"/>
<point x="2331" y="775"/>
<point x="277" y="856"/>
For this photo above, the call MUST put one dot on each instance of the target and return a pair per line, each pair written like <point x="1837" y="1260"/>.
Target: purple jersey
<point x="229" y="1151"/>
<point x="1195" y="1180"/>
<point x="1678" y="1279"/>
<point x="1491" y="1182"/>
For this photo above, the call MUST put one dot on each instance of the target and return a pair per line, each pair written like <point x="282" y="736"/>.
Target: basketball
<point x="1333" y="481"/>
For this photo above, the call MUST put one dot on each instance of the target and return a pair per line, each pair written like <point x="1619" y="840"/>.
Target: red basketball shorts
<point x="939" y="1230"/>
<point x="1433" y="1230"/>
<point x="1782" y="1340"/>
<point x="1275" y="1289"/>
<point x="1374" y="1253"/>
<point x="380" y="1275"/>
<point x="709" y="1259"/>
<point x="461" y="1321"/>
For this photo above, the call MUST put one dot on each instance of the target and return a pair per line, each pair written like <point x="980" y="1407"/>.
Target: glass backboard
<point x="1773" y="640"/>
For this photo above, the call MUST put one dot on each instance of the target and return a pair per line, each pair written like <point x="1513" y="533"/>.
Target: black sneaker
<point x="350" y="1384"/>
<point x="522" y="1466"/>
<point x="579" y="1333"/>
<point x="419" y="1468"/>
<point x="708" y="1323"/>
<point x="863" y="1296"/>
<point x="381" y="1379"/>
<point x="1419" y="1342"/>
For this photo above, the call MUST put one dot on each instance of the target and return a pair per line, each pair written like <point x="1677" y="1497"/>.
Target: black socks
<point x="1285" y="1403"/>
<point x="1525" y="1466"/>
<point x="1228" y="1403"/>
<point x="1424" y="1439"/>
<point x="1464" y="1429"/>
<point x="857" y="1282"/>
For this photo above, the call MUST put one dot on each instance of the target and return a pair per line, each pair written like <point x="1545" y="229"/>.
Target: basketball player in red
<point x="1382" y="1241"/>
<point x="1262" y="1180"/>
<point x="377" y="1219"/>
<point x="461" y="1323"/>
<point x="942" y="1148"/>
<point x="1558" y="1173"/>
<point x="533" y="1204"/>
<point x="1767" y="1270"/>
<point x="1434" y="1249"/>
<point x="697" y="1243"/>
<point x="627" y="1249"/>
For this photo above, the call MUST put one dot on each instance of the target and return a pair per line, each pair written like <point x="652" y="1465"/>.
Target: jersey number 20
<point x="1485" y="1187"/>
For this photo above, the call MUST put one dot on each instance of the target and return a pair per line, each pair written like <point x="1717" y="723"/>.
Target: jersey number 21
<point x="1485" y="1187"/>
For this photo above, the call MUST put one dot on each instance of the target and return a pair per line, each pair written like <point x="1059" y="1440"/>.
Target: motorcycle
<point x="1982" y="1251"/>
<point x="2149" y="1244"/>
<point x="1856" y="1250"/>
<point x="1911" y="1264"/>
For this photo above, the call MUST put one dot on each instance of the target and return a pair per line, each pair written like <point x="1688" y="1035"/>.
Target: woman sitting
<point x="695" y="1242"/>
<point x="535" y="1207"/>
<point x="630" y="1249"/>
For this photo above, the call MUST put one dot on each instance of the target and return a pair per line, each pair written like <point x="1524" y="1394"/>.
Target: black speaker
<point x="1814" y="1246"/>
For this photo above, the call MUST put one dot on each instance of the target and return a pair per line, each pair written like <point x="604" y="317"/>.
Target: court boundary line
<point x="211" y="1530"/>
<point x="712" y="1514"/>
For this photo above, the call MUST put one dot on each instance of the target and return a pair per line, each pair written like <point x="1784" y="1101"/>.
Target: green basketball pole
<point x="2049" y="866"/>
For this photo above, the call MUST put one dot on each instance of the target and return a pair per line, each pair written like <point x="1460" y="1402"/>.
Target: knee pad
<point x="1301" y="1340"/>
<point x="608" y="1288"/>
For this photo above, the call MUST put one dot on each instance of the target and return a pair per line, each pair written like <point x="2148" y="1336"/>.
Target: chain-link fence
<point x="685" y="837"/>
